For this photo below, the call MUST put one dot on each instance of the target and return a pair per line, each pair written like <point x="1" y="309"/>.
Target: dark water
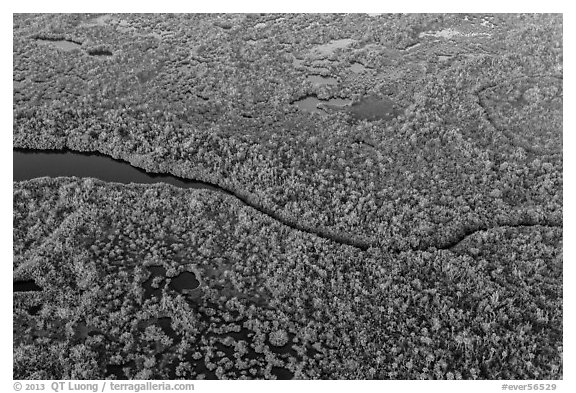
<point x="330" y="47"/>
<point x="373" y="108"/>
<point x="34" y="310"/>
<point x="117" y="370"/>
<point x="185" y="280"/>
<point x="319" y="80"/>
<point x="26" y="286"/>
<point x="165" y="324"/>
<point x="29" y="164"/>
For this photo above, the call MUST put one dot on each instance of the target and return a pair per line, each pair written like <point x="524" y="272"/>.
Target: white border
<point x="301" y="6"/>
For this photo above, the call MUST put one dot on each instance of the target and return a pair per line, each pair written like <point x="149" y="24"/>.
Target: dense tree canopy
<point x="421" y="244"/>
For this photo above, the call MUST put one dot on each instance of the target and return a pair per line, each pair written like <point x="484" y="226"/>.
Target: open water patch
<point x="373" y="108"/>
<point x="369" y="108"/>
<point x="315" y="105"/>
<point x="185" y="281"/>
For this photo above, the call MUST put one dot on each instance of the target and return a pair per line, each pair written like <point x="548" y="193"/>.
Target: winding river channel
<point x="30" y="164"/>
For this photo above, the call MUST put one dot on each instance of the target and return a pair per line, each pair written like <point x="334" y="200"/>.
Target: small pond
<point x="184" y="281"/>
<point x="373" y="108"/>
<point x="314" y="104"/>
<point x="330" y="47"/>
<point x="318" y="80"/>
<point x="370" y="108"/>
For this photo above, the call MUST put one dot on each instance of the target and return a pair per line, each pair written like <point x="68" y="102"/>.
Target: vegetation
<point x="454" y="205"/>
<point x="270" y="298"/>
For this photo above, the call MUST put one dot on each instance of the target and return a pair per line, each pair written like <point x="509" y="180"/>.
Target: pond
<point x="184" y="281"/>
<point x="373" y="108"/>
<point x="318" y="80"/>
<point x="315" y="105"/>
<point x="29" y="164"/>
<point x="369" y="108"/>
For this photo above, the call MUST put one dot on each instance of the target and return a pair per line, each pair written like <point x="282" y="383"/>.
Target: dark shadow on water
<point x="373" y="108"/>
<point x="26" y="286"/>
<point x="369" y="108"/>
